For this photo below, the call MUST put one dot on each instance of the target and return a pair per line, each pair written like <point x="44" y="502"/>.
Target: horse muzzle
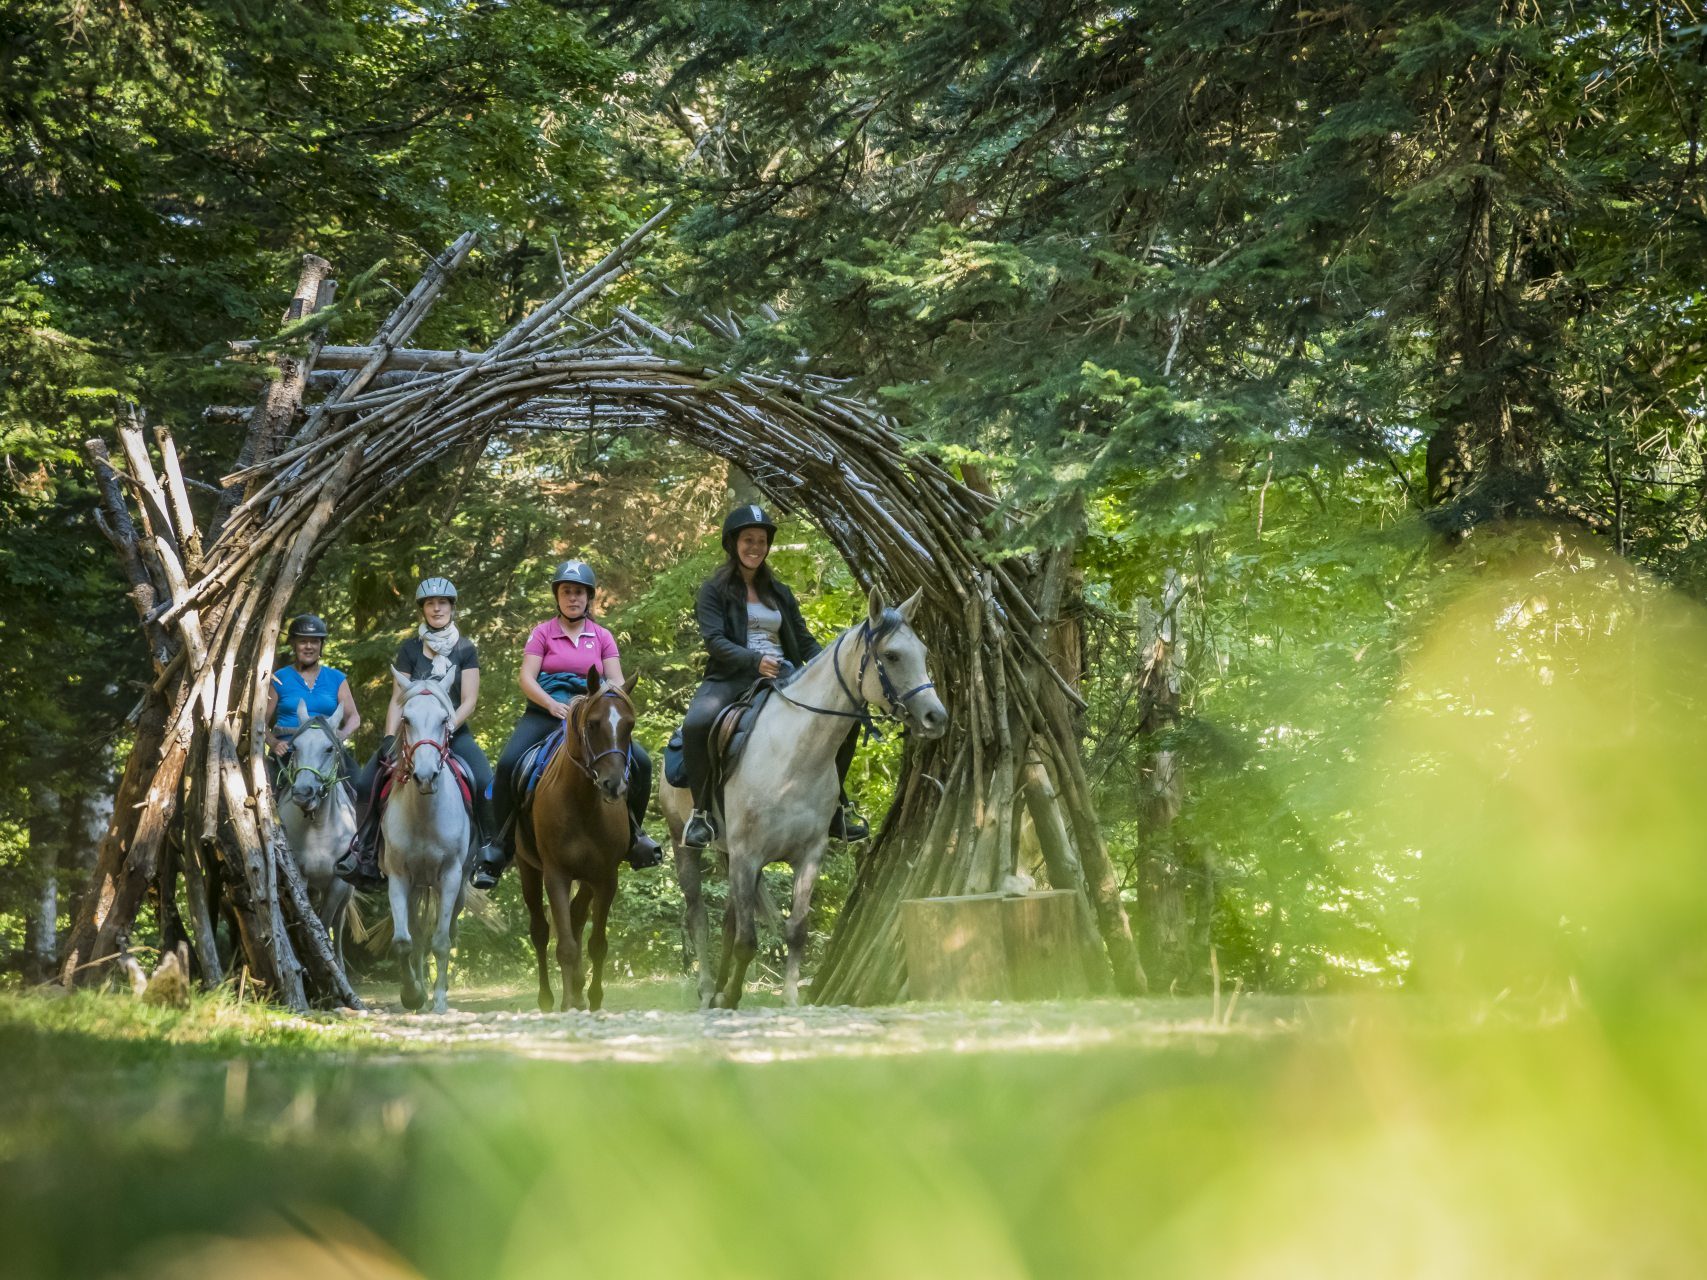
<point x="929" y="721"/>
<point x="613" y="789"/>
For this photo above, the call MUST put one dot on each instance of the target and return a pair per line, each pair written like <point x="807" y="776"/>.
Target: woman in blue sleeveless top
<point x="321" y="689"/>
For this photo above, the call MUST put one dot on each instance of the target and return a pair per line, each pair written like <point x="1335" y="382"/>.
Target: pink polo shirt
<point x="580" y="655"/>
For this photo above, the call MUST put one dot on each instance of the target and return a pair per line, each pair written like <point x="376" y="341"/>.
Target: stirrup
<point x="846" y="825"/>
<point x="699" y="831"/>
<point x="490" y="862"/>
<point x="643" y="851"/>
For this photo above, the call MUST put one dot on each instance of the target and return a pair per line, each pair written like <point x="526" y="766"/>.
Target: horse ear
<point x="593" y="680"/>
<point x="630" y="681"/>
<point x="448" y="683"/>
<point x="910" y="606"/>
<point x="301" y="713"/>
<point x="336" y="719"/>
<point x="403" y="681"/>
<point x="876" y="604"/>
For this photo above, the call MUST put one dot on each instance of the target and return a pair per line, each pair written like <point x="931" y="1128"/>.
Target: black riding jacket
<point x="721" y="612"/>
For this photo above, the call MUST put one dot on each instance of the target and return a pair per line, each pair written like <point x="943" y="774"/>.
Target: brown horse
<point x="575" y="838"/>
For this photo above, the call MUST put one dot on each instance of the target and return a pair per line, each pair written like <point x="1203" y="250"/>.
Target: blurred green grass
<point x="1529" y="1105"/>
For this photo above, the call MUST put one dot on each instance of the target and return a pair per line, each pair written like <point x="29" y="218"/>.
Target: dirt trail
<point x="499" y="1022"/>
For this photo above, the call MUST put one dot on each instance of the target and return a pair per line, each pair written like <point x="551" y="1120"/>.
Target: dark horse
<point x="575" y="837"/>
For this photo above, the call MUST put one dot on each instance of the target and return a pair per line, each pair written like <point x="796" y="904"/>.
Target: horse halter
<point x="406" y="748"/>
<point x="289" y="771"/>
<point x="583" y="706"/>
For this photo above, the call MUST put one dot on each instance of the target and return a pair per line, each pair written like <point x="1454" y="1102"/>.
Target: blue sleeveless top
<point x="322" y="699"/>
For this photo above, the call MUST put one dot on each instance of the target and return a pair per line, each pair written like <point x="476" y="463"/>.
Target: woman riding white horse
<point x="752" y="628"/>
<point x="438" y="652"/>
<point x="306" y="681"/>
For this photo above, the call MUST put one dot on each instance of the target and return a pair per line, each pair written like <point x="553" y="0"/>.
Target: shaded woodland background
<point x="1294" y="321"/>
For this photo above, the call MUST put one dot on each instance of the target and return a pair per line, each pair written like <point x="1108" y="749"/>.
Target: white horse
<point x="778" y="802"/>
<point x="427" y="834"/>
<point x="318" y="816"/>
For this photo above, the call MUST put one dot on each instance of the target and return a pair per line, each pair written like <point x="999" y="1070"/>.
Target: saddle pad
<point x="536" y="757"/>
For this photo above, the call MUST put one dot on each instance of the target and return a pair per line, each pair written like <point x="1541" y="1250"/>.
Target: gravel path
<point x="498" y="1022"/>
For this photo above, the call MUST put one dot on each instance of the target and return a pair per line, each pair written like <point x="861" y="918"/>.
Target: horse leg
<point x="402" y="945"/>
<point x="743" y="923"/>
<point x="560" y="892"/>
<point x="690" y="875"/>
<point x="338" y="895"/>
<point x="539" y="928"/>
<point x="419" y="935"/>
<point x="574" y="969"/>
<point x="599" y="944"/>
<point x="450" y="902"/>
<point x="805" y="877"/>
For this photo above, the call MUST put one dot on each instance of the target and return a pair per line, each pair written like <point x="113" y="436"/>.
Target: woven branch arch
<point x="193" y="804"/>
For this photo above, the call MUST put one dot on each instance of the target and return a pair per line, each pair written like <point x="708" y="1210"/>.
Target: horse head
<point x="605" y="732"/>
<point x="313" y="763"/>
<point x="894" y="671"/>
<point x="424" y="730"/>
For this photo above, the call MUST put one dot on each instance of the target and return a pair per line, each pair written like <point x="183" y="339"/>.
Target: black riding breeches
<point x="711" y="698"/>
<point x="535" y="726"/>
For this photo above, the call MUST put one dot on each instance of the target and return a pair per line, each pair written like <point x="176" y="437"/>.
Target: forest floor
<point x="1278" y="1136"/>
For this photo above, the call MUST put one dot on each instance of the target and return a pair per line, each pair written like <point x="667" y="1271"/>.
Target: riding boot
<point x="493" y="853"/>
<point x="846" y="824"/>
<point x="700" y="830"/>
<point x="643" y="850"/>
<point x="359" y="865"/>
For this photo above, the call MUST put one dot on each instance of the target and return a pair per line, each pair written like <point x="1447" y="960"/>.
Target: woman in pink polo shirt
<point x="559" y="654"/>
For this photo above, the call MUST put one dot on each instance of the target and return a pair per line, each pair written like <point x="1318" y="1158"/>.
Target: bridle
<point x="895" y="702"/>
<point x="289" y="770"/>
<point x="580" y="709"/>
<point x="406" y="748"/>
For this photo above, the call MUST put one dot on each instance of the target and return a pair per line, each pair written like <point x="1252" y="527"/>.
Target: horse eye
<point x="894" y="655"/>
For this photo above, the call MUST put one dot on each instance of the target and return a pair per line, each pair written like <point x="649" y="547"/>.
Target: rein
<point x="896" y="701"/>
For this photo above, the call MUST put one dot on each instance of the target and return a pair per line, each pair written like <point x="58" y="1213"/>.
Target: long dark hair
<point x="728" y="577"/>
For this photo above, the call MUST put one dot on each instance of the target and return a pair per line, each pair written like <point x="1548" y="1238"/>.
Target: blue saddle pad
<point x="533" y="762"/>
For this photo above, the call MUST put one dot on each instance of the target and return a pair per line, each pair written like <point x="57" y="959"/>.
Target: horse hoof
<point x="546" y="1003"/>
<point x="414" y="1001"/>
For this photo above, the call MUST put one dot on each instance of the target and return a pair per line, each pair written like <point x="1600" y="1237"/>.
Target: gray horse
<point x="778" y="802"/>
<point x="426" y="840"/>
<point x="318" y="816"/>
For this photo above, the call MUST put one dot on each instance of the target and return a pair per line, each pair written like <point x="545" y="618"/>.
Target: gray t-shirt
<point x="764" y="629"/>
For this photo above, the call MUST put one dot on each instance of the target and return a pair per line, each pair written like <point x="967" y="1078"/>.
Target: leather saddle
<point x="726" y="742"/>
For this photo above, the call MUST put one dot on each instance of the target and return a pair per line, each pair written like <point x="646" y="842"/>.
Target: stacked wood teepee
<point x="195" y="830"/>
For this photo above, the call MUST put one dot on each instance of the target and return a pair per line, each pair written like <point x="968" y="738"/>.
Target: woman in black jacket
<point x="752" y="628"/>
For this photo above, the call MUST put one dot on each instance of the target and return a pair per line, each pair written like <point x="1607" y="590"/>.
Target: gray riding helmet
<point x="575" y="571"/>
<point x="307" y="626"/>
<point x="431" y="587"/>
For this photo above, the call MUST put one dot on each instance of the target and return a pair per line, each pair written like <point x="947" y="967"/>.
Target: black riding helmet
<point x="307" y="626"/>
<point x="750" y="516"/>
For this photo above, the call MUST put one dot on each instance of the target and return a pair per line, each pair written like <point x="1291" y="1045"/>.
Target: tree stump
<point x="990" y="946"/>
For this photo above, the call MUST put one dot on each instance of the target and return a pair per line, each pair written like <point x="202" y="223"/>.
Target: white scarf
<point x="439" y="644"/>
